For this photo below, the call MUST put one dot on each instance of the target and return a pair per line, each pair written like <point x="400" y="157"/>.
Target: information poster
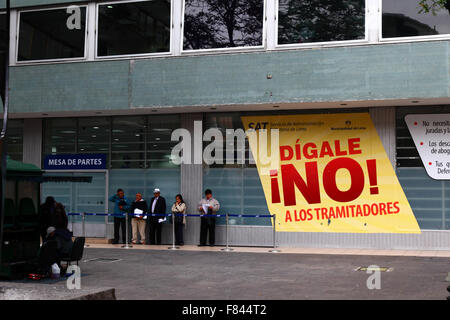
<point x="328" y="173"/>
<point x="431" y="135"/>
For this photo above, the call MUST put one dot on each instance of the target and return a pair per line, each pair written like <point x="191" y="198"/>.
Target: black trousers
<point x="179" y="233"/>
<point x="207" y="224"/>
<point x="119" y="223"/>
<point x="155" y="232"/>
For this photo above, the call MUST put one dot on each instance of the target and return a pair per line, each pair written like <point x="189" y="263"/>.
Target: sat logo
<point x="258" y="125"/>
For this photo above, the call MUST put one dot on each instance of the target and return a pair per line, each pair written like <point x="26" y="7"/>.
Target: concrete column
<point x="32" y="141"/>
<point x="384" y="120"/>
<point x="191" y="183"/>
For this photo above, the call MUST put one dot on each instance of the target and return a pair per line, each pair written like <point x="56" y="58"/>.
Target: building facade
<point x="117" y="77"/>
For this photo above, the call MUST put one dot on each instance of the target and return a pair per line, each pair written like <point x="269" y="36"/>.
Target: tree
<point x="223" y="23"/>
<point x="434" y="5"/>
<point x="320" y="20"/>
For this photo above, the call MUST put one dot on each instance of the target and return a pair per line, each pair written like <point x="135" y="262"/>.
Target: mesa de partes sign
<point x="75" y="162"/>
<point x="431" y="135"/>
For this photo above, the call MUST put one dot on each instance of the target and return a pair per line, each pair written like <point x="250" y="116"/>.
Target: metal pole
<point x="126" y="246"/>
<point x="173" y="234"/>
<point x="226" y="249"/>
<point x="72" y="218"/>
<point x="83" y="220"/>
<point x="274" y="235"/>
<point x="3" y="135"/>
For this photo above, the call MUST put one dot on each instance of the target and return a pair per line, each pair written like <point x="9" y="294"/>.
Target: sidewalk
<point x="286" y="250"/>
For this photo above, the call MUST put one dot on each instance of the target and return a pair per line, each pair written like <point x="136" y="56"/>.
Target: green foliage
<point x="433" y="6"/>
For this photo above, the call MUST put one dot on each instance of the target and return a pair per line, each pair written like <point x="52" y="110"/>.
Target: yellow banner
<point x="328" y="173"/>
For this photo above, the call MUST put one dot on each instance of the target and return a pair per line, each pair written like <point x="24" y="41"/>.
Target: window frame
<point x="86" y="34"/>
<point x="134" y="55"/>
<point x="262" y="47"/>
<point x="323" y="43"/>
<point x="382" y="40"/>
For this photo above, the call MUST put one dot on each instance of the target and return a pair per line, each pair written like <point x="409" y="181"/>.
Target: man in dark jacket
<point x="47" y="210"/>
<point x="157" y="206"/>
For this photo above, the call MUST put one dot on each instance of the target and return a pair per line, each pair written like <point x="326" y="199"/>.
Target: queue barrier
<point x="173" y="215"/>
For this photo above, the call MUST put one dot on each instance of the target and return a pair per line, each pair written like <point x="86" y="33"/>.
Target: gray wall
<point x="417" y="70"/>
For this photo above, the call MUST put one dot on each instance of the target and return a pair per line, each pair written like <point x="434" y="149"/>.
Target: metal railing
<point x="173" y="215"/>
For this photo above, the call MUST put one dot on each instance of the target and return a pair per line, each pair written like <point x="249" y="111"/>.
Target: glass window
<point x="134" y="28"/>
<point x="405" y="18"/>
<point x="15" y="138"/>
<point x="236" y="154"/>
<point x="52" y="34"/>
<point x="159" y="144"/>
<point x="3" y="43"/>
<point x="429" y="198"/>
<point x="236" y="186"/>
<point x="93" y="135"/>
<point x="128" y="142"/>
<point x="320" y="21"/>
<point x="210" y="24"/>
<point x="145" y="181"/>
<point x="60" y="136"/>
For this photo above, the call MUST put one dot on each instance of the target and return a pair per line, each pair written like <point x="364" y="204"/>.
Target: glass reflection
<point x="406" y="18"/>
<point x="211" y="24"/>
<point x="320" y="20"/>
<point x="48" y="34"/>
<point x="134" y="28"/>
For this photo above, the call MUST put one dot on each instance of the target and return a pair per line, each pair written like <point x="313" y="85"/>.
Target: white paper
<point x="205" y="208"/>
<point x="138" y="213"/>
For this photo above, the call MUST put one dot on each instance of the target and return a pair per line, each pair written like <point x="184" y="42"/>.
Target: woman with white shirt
<point x="178" y="208"/>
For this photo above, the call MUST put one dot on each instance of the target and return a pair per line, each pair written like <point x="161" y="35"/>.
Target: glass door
<point x="80" y="197"/>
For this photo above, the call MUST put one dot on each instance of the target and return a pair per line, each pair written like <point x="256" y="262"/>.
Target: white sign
<point x="431" y="135"/>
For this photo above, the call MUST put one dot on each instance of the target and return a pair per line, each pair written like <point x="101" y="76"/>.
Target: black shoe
<point x="211" y="245"/>
<point x="448" y="288"/>
<point x="201" y="245"/>
<point x="115" y="242"/>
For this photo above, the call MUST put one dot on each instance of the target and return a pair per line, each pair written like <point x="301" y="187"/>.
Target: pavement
<point x="207" y="273"/>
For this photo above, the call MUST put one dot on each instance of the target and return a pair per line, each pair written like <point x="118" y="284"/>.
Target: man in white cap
<point x="157" y="206"/>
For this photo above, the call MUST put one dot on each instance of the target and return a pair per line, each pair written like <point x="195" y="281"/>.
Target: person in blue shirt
<point x="121" y="206"/>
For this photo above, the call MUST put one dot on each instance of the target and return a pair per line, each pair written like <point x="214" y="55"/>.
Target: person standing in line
<point x="121" y="206"/>
<point x="208" y="206"/>
<point x="138" y="222"/>
<point x="157" y="206"/>
<point x="179" y="207"/>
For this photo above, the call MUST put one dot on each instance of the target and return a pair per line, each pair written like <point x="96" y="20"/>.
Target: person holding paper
<point x="138" y="222"/>
<point x="208" y="206"/>
<point x="157" y="206"/>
